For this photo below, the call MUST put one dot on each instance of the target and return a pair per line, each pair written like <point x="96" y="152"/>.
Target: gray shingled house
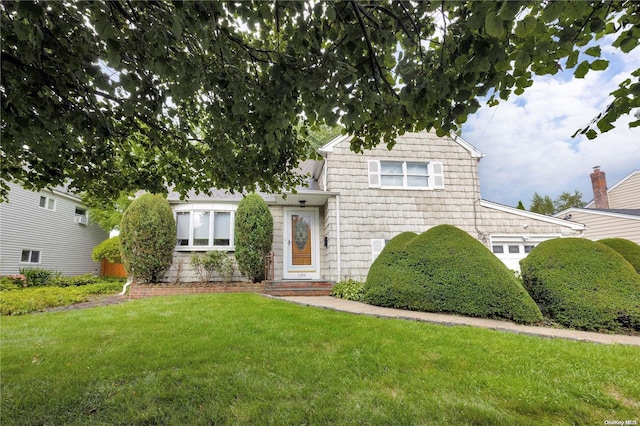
<point x="334" y="228"/>
<point x="47" y="229"/>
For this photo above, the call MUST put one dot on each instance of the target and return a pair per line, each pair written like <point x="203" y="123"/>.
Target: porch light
<point x="303" y="203"/>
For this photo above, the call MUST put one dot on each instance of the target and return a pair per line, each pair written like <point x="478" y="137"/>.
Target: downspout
<point x="124" y="288"/>
<point x="338" y="232"/>
<point x="324" y="171"/>
<point x="477" y="198"/>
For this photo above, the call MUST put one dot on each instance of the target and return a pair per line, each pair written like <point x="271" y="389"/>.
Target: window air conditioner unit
<point x="81" y="220"/>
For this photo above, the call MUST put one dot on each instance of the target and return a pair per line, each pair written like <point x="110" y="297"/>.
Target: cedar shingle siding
<point x="372" y="213"/>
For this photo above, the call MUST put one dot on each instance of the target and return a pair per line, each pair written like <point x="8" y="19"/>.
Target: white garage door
<point x="510" y="249"/>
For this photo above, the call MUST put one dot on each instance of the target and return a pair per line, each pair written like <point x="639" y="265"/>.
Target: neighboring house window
<point x="204" y="229"/>
<point x="30" y="256"/>
<point x="512" y="248"/>
<point x="47" y="202"/>
<point x="376" y="248"/>
<point x="81" y="216"/>
<point x="405" y="175"/>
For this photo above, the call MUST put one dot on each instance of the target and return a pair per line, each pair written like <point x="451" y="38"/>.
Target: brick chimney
<point x="599" y="184"/>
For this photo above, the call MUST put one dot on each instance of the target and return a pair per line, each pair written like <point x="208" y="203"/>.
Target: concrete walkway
<point x="336" y="304"/>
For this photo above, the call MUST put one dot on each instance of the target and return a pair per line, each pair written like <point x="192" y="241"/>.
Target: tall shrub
<point x="148" y="237"/>
<point x="253" y="236"/>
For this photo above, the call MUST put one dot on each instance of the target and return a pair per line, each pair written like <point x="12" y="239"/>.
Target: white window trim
<point x="212" y="212"/>
<point x="520" y="240"/>
<point x="31" y="251"/>
<point x="46" y="203"/>
<point x="435" y="175"/>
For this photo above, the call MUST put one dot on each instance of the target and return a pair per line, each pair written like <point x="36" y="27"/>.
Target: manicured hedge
<point x="628" y="249"/>
<point x="378" y="288"/>
<point x="446" y="270"/>
<point x="583" y="284"/>
<point x="108" y="249"/>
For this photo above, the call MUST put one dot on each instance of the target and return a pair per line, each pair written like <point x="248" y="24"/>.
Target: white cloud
<point x="527" y="140"/>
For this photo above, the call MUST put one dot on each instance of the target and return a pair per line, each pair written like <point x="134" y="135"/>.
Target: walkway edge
<point x="336" y="304"/>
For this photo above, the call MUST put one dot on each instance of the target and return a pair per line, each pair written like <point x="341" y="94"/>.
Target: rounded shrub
<point x="378" y="288"/>
<point x="108" y="250"/>
<point x="148" y="237"/>
<point x="446" y="270"/>
<point x="583" y="284"/>
<point x="626" y="248"/>
<point x="253" y="236"/>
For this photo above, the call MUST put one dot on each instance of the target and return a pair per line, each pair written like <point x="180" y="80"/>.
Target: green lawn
<point x="245" y="359"/>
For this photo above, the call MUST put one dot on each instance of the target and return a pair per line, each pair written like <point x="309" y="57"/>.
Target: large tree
<point x="544" y="204"/>
<point x="110" y="96"/>
<point x="567" y="200"/>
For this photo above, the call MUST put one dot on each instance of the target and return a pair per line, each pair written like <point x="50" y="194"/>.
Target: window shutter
<point x="437" y="175"/>
<point x="376" y="248"/>
<point x="374" y="173"/>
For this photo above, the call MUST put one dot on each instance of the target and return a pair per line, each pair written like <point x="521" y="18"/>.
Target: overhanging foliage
<point x="120" y="96"/>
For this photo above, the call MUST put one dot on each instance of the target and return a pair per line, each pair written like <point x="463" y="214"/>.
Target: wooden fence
<point x="112" y="269"/>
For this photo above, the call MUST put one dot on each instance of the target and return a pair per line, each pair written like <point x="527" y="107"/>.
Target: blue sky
<point x="527" y="140"/>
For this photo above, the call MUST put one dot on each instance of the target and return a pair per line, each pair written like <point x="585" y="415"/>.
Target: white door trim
<point x="307" y="273"/>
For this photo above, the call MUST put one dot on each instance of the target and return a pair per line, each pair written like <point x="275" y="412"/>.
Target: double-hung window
<point x="202" y="229"/>
<point x="47" y="202"/>
<point x="405" y="175"/>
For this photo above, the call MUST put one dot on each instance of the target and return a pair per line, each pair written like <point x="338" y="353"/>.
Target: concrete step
<point x="299" y="288"/>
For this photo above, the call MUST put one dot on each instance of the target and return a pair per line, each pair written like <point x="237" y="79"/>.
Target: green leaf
<point x="526" y="26"/>
<point x="494" y="26"/>
<point x="634" y="123"/>
<point x="331" y="12"/>
<point x="591" y="134"/>
<point x="582" y="69"/>
<point x="593" y="51"/>
<point x="605" y="125"/>
<point x="572" y="59"/>
<point x="599" y="65"/>
<point x="509" y="10"/>
<point x="628" y="44"/>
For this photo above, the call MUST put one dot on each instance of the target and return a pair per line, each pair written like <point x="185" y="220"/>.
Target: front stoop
<point x="298" y="288"/>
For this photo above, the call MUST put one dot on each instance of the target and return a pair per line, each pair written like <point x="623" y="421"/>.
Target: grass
<point x="245" y="359"/>
<point x="26" y="300"/>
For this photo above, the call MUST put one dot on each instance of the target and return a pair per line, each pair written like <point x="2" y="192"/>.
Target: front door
<point x="301" y="244"/>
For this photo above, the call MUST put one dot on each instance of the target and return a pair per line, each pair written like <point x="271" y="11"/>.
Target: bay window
<point x="204" y="229"/>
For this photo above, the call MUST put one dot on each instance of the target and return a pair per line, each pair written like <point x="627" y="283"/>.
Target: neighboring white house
<point x="614" y="212"/>
<point x="49" y="229"/>
<point x="334" y="228"/>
